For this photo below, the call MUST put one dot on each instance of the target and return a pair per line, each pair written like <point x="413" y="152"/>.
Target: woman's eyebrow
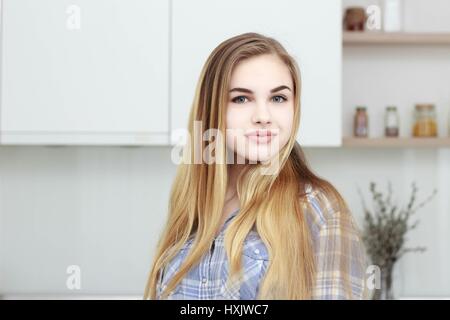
<point x="279" y="88"/>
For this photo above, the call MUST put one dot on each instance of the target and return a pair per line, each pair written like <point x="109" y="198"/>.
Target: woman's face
<point x="261" y="102"/>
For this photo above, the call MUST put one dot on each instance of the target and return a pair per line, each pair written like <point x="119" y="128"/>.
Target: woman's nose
<point x="262" y="114"/>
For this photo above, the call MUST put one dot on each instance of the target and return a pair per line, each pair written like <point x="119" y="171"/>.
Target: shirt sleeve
<point x="159" y="285"/>
<point x="341" y="259"/>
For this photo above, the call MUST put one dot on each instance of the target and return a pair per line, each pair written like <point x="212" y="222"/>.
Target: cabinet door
<point x="310" y="30"/>
<point x="85" y="72"/>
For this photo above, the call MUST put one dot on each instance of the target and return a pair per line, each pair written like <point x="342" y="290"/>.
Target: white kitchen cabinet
<point x="310" y="30"/>
<point x="85" y="72"/>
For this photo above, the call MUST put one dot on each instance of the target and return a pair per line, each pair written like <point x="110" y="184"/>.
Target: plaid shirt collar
<point x="228" y="220"/>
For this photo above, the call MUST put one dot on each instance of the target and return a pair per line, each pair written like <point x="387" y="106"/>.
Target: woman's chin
<point x="255" y="156"/>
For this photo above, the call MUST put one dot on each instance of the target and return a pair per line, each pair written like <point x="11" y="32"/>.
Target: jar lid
<point x="424" y="106"/>
<point x="360" y="108"/>
<point x="357" y="9"/>
<point x="391" y="108"/>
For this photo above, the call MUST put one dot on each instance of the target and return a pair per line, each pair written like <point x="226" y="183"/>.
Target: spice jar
<point x="354" y="19"/>
<point x="425" y="124"/>
<point x="391" y="122"/>
<point x="361" y="122"/>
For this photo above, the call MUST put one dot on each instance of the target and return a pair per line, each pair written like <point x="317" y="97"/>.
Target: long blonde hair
<point x="198" y="192"/>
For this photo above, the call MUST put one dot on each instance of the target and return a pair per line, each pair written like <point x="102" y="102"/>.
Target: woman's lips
<point x="261" y="136"/>
<point x="260" y="139"/>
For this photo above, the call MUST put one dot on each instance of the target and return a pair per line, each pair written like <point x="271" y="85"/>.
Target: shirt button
<point x="204" y="280"/>
<point x="256" y="251"/>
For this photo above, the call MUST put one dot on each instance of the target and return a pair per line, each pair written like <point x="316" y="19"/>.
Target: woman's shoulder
<point x="333" y="227"/>
<point x="314" y="206"/>
<point x="323" y="210"/>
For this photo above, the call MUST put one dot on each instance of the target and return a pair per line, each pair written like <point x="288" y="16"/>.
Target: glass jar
<point x="392" y="15"/>
<point x="361" y="122"/>
<point x="355" y="19"/>
<point x="391" y="122"/>
<point x="425" y="124"/>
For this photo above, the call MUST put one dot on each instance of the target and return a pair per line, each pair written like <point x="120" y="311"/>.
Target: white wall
<point x="99" y="208"/>
<point x="102" y="208"/>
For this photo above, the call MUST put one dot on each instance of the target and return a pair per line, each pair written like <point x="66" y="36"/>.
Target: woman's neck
<point x="233" y="172"/>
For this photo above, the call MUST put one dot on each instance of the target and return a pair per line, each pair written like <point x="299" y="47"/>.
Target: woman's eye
<point x="279" y="101"/>
<point x="239" y="99"/>
<point x="242" y="99"/>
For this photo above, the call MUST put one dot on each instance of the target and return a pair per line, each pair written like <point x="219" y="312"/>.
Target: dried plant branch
<point x="386" y="226"/>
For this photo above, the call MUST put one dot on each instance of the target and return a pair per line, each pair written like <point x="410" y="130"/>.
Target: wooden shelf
<point x="368" y="38"/>
<point x="401" y="142"/>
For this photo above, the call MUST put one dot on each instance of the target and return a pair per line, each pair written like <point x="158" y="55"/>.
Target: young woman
<point x="239" y="230"/>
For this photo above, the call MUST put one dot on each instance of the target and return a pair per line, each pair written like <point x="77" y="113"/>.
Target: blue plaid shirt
<point x="207" y="279"/>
